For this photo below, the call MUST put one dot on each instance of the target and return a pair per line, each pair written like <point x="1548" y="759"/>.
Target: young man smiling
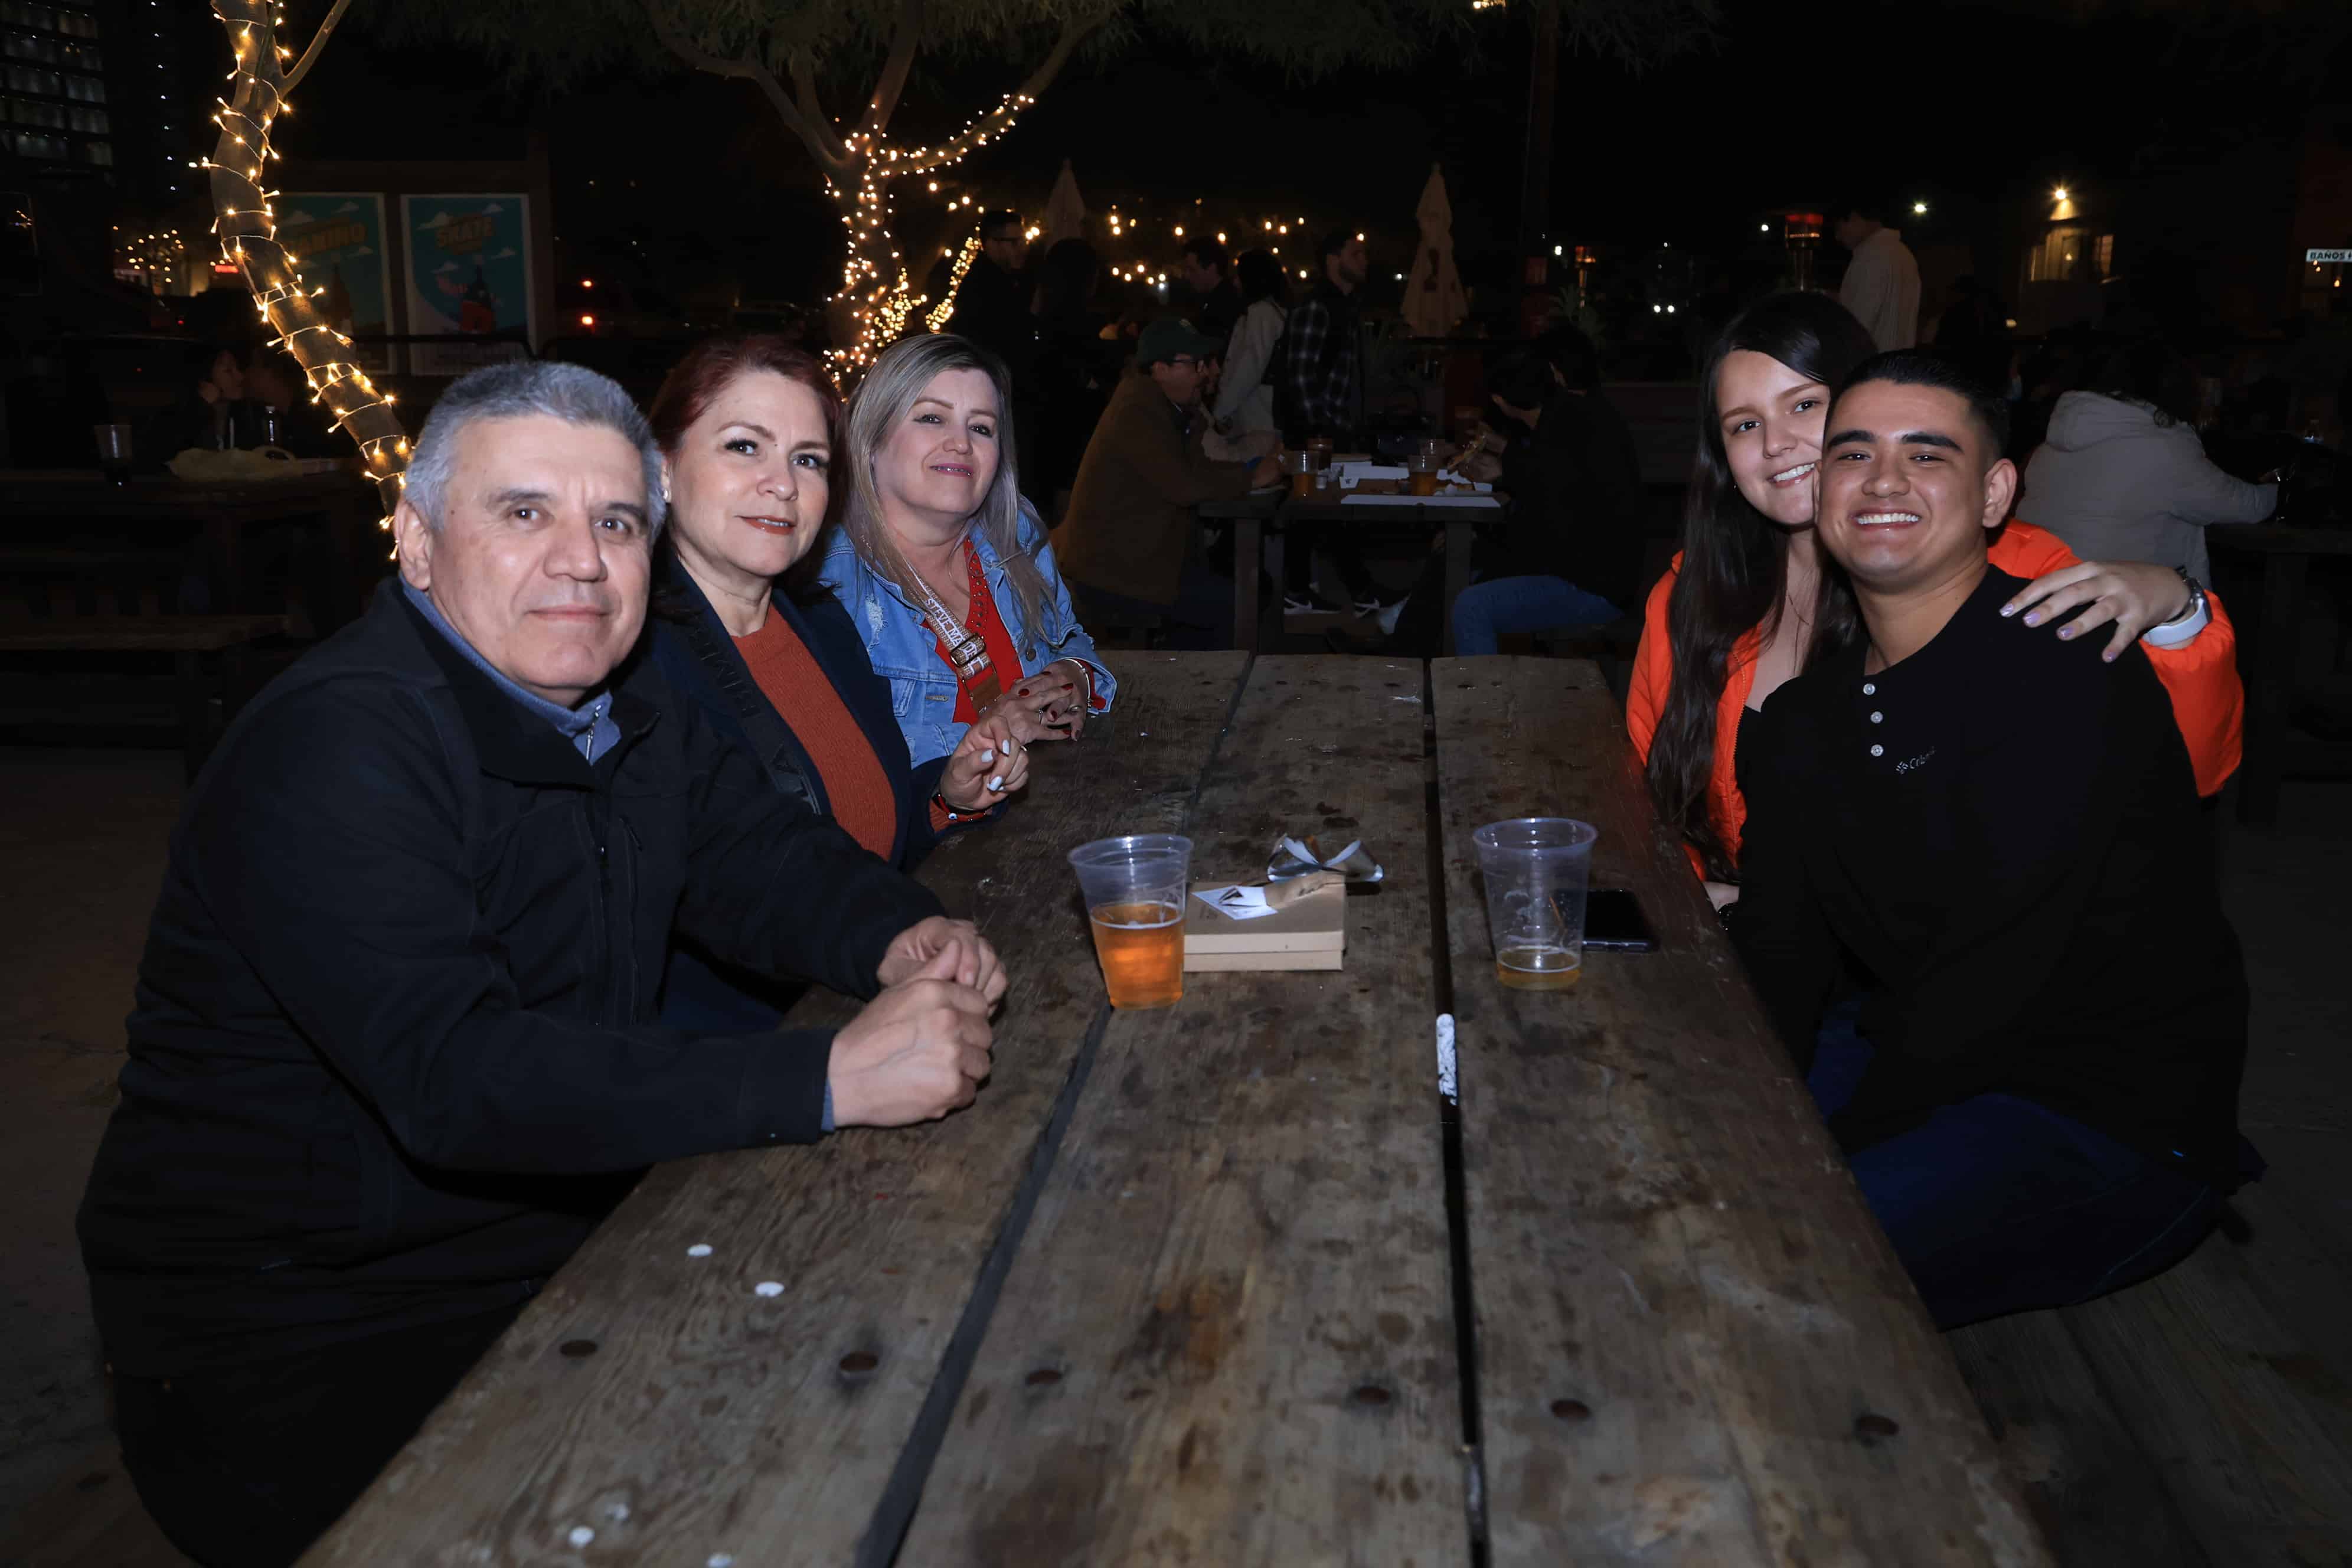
<point x="2037" y="1090"/>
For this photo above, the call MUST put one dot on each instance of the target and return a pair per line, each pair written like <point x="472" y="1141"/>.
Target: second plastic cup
<point x="1134" y="889"/>
<point x="1537" y="870"/>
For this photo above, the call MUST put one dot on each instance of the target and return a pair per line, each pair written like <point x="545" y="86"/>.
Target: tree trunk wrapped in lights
<point x="247" y="227"/>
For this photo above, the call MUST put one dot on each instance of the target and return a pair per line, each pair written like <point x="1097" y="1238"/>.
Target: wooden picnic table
<point x="2269" y="643"/>
<point x="1250" y="515"/>
<point x="42" y="507"/>
<point x="1183" y="1286"/>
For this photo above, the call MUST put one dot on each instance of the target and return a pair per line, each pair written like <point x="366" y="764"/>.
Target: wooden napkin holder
<point x="1308" y="931"/>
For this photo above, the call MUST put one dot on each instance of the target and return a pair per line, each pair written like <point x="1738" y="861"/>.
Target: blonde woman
<point x="944" y="568"/>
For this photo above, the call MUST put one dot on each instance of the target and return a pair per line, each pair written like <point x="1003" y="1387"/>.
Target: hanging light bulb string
<point x="247" y="229"/>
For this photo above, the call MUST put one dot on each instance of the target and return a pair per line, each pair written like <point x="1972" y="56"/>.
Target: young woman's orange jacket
<point x="2208" y="702"/>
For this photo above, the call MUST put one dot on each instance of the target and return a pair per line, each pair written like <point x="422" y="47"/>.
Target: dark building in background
<point x="93" y="94"/>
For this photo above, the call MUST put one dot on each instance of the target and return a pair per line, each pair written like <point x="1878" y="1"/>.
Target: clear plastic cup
<point x="1134" y="889"/>
<point x="1537" y="869"/>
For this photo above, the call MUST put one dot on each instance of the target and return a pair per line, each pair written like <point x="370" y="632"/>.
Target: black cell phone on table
<point x="1614" y="920"/>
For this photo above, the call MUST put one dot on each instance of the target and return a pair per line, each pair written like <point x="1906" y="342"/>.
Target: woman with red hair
<point x="749" y="427"/>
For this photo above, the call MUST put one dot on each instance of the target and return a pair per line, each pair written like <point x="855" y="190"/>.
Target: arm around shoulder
<point x="1654" y="667"/>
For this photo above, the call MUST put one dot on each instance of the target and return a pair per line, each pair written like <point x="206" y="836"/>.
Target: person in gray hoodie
<point x="2118" y="478"/>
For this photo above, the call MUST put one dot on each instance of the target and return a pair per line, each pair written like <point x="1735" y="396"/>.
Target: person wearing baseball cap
<point x="1129" y="543"/>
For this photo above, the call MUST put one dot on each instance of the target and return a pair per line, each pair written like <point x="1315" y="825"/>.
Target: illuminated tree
<point x="804" y="55"/>
<point x="265" y="73"/>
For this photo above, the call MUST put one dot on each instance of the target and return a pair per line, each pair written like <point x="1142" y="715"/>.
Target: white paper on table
<point x="1448" y="477"/>
<point x="1237" y="902"/>
<point x="1351" y="474"/>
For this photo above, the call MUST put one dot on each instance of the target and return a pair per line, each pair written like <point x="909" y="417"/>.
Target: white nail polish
<point x="997" y="783"/>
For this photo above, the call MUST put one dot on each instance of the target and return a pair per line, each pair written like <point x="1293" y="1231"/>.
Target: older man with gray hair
<point x="393" y="1053"/>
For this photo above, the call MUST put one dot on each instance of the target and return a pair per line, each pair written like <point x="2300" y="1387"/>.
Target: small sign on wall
<point x="339" y="239"/>
<point x="469" y="272"/>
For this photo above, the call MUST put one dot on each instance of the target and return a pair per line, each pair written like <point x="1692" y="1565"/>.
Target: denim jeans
<point x="2000" y="1205"/>
<point x="1493" y="606"/>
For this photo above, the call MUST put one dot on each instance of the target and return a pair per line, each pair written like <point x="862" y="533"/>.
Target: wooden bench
<point x="194" y="686"/>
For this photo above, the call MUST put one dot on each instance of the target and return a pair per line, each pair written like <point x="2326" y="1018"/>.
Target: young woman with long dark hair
<point x="1746" y="602"/>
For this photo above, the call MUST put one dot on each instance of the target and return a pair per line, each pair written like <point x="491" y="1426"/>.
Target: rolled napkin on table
<point x="1296" y="858"/>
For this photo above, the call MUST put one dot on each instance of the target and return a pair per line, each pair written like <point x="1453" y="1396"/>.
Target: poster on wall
<point x="469" y="272"/>
<point x="338" y="238"/>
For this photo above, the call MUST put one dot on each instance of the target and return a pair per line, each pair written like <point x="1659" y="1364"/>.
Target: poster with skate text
<point x="338" y="238"/>
<point x="468" y="273"/>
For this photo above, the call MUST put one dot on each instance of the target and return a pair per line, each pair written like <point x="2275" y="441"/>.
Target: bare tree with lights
<point x="804" y="56"/>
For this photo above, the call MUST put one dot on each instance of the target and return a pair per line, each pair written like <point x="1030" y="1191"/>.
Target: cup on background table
<point x="1301" y="464"/>
<point x="1134" y="889"/>
<point x="113" y="452"/>
<point x="1421" y="472"/>
<point x="1538" y="869"/>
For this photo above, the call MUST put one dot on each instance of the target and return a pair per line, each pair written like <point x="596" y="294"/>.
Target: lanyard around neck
<point x="967" y="650"/>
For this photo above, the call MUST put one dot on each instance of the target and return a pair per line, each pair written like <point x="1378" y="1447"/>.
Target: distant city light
<point x="2059" y="195"/>
<point x="1920" y="208"/>
<point x="1555" y="250"/>
<point x="587" y="321"/>
<point x="1763" y="228"/>
<point x="587" y="282"/>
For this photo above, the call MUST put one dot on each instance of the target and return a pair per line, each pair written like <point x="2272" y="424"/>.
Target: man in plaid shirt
<point x="1325" y="366"/>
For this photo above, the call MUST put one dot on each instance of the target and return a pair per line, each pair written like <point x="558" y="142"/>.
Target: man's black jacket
<point x="392" y="1055"/>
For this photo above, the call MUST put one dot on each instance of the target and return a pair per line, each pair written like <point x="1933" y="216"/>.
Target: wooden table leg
<point x="221" y="544"/>
<point x="1248" y="540"/>
<point x="1458" y="536"/>
<point x="2270" y="690"/>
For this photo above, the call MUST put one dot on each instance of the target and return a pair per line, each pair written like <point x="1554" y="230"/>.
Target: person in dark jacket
<point x="747" y="428"/>
<point x="994" y="307"/>
<point x="1569" y="552"/>
<point x="393" y="1053"/>
<point x="1570" y="548"/>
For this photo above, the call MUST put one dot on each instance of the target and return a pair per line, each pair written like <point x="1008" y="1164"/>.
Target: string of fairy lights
<point x="247" y="229"/>
<point x="873" y="275"/>
<point x="155" y="259"/>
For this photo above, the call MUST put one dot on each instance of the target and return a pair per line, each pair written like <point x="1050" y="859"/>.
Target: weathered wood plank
<point x="2252" y="1432"/>
<point x="656" y="1399"/>
<point x="1229" y="1336"/>
<point x="1685" y="1311"/>
<point x="2094" y="1489"/>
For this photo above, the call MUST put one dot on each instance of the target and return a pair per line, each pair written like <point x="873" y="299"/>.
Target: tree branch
<point x="814" y="132"/>
<point x="1075" y="32"/>
<point x="318" y="41"/>
<point x="803" y="71"/>
<point x="906" y="36"/>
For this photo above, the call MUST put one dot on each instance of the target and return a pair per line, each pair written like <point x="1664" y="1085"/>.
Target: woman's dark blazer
<point x="700" y="994"/>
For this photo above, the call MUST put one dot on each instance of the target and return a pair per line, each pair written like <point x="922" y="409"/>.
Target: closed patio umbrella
<point x="1433" y="300"/>
<point x="1065" y="211"/>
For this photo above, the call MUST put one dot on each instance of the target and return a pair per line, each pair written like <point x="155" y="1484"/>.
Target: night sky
<point x="1963" y="105"/>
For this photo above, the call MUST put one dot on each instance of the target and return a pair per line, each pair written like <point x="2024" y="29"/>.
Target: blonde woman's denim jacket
<point x="904" y="652"/>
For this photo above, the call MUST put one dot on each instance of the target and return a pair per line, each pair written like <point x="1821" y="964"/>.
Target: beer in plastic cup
<point x="1537" y="870"/>
<point x="1421" y="474"/>
<point x="1301" y="464"/>
<point x="1134" y="889"/>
